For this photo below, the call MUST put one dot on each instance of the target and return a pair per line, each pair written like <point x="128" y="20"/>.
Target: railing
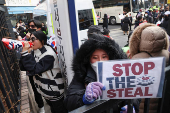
<point x="107" y="106"/>
<point x="9" y="71"/>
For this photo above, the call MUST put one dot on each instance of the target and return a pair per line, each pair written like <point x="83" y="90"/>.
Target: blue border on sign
<point x="73" y="25"/>
<point x="100" y="71"/>
<point x="161" y="84"/>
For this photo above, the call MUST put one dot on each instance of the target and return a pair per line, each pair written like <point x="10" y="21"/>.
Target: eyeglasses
<point x="33" y="39"/>
<point x="32" y="26"/>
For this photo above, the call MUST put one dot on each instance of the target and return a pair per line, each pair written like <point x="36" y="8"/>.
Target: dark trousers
<point x="57" y="106"/>
<point x="37" y="96"/>
<point x="130" y="27"/>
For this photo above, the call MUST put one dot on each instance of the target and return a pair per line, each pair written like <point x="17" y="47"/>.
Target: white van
<point x="70" y="21"/>
<point x="86" y="17"/>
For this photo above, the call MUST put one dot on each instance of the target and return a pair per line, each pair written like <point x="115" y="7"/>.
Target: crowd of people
<point x="154" y="16"/>
<point x="22" y="29"/>
<point x="41" y="60"/>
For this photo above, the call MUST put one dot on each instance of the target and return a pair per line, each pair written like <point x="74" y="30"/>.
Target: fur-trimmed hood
<point x="81" y="61"/>
<point x="148" y="38"/>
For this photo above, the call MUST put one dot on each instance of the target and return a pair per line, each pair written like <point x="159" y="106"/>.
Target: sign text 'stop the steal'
<point x="128" y="79"/>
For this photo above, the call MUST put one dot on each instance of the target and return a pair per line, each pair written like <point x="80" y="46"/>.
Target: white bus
<point x="115" y="7"/>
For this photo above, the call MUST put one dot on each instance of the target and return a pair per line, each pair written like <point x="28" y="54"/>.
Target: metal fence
<point x="10" y="92"/>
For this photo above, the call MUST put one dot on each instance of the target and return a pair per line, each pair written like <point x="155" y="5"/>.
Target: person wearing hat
<point x="139" y="13"/>
<point x="42" y="64"/>
<point x="84" y="88"/>
<point x="34" y="25"/>
<point x="93" y="29"/>
<point x="149" y="40"/>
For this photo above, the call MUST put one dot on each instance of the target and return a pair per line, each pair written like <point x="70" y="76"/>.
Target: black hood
<point x="81" y="61"/>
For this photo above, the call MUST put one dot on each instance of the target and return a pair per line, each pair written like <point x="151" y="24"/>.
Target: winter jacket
<point x="42" y="64"/>
<point x="105" y="21"/>
<point x="131" y="19"/>
<point x="83" y="72"/>
<point x="149" y="40"/>
<point x="137" y="23"/>
<point x="165" y="24"/>
<point x="149" y="19"/>
<point x="126" y="23"/>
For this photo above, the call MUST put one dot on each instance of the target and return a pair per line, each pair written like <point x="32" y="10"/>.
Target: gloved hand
<point x="93" y="91"/>
<point x="125" y="108"/>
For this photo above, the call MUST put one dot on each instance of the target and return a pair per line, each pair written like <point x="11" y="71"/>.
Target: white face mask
<point x="94" y="66"/>
<point x="146" y="14"/>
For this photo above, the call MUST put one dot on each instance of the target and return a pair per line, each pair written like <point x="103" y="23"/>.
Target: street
<point x="117" y="34"/>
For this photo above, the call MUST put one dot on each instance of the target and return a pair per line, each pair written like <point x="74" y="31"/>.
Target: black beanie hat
<point x="40" y="36"/>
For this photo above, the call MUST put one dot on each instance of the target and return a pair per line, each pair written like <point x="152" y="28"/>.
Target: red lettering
<point x="116" y="68"/>
<point x="147" y="92"/>
<point x="111" y="93"/>
<point x="134" y="68"/>
<point x="138" y="92"/>
<point x="126" y="68"/>
<point x="120" y="92"/>
<point x="148" y="66"/>
<point x="128" y="92"/>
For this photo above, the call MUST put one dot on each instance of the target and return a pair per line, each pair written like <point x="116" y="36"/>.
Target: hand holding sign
<point x="93" y="91"/>
<point x="129" y="79"/>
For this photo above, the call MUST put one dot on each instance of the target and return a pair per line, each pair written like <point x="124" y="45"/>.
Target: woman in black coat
<point x="105" y="21"/>
<point x="84" y="73"/>
<point x="126" y="23"/>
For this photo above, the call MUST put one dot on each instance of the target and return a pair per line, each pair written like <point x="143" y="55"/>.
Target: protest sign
<point x="129" y="79"/>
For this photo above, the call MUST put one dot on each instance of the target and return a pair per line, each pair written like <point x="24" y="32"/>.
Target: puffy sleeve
<point x="29" y="64"/>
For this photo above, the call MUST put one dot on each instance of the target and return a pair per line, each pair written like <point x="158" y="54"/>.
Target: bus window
<point x="126" y="6"/>
<point x="97" y="3"/>
<point x="114" y="8"/>
<point x="85" y="19"/>
<point x="137" y="4"/>
<point x="147" y="4"/>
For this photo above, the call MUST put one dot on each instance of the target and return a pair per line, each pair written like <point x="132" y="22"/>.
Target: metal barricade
<point x="10" y="92"/>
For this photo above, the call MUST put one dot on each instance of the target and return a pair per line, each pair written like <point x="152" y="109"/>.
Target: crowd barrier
<point x="10" y="92"/>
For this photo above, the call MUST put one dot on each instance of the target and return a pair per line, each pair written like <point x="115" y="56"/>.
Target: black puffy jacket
<point x="83" y="72"/>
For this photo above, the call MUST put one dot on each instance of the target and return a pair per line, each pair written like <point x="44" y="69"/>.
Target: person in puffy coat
<point x="96" y="48"/>
<point x="105" y="21"/>
<point x="149" y="40"/>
